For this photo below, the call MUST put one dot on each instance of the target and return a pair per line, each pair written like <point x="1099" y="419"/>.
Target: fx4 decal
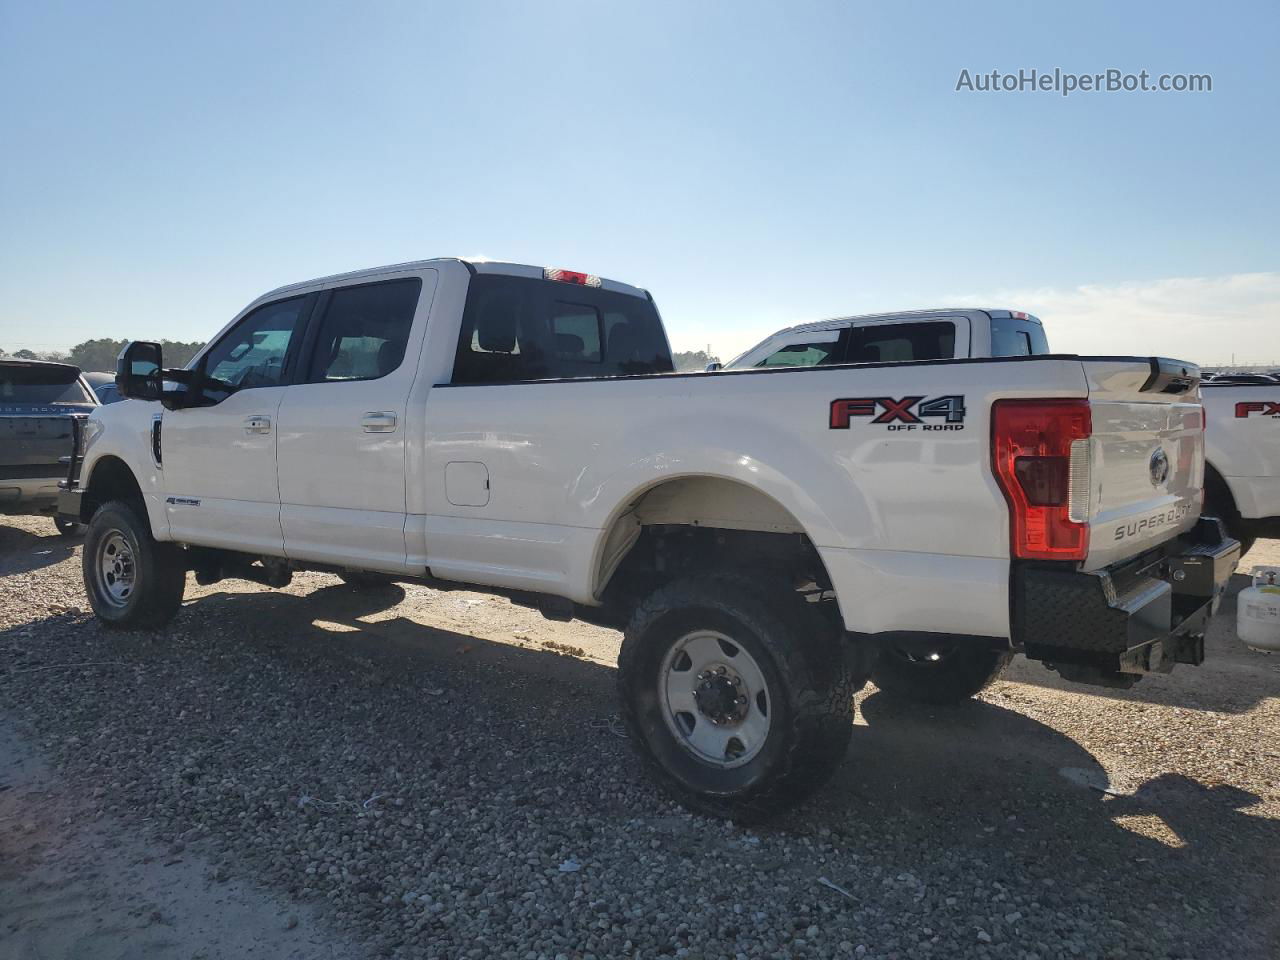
<point x="898" y="414"/>
<point x="1264" y="407"/>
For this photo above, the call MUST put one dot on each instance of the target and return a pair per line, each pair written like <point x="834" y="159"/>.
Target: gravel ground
<point x="442" y="775"/>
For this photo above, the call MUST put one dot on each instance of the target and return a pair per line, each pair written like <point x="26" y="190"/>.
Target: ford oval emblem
<point x="1159" y="467"/>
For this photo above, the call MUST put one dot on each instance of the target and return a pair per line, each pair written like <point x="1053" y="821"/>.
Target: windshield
<point x="39" y="384"/>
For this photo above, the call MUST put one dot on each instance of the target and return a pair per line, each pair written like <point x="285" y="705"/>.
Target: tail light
<point x="1041" y="456"/>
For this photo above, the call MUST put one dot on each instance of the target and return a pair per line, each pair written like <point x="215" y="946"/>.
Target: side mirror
<point x="713" y="367"/>
<point x="138" y="370"/>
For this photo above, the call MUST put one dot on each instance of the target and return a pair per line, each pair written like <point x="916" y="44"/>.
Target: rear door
<point x="341" y="454"/>
<point x="1146" y="455"/>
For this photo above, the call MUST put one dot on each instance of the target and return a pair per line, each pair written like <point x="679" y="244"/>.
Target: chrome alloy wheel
<point x="715" y="698"/>
<point x="115" y="569"/>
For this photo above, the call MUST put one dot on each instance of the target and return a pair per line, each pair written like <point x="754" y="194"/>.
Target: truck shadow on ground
<point x="23" y="552"/>
<point x="957" y="768"/>
<point x="358" y="691"/>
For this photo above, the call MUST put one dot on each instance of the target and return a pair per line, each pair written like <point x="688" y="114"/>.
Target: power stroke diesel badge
<point x="909" y="413"/>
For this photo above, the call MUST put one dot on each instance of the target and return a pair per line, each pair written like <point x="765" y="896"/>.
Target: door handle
<point x="257" y="424"/>
<point x="378" y="421"/>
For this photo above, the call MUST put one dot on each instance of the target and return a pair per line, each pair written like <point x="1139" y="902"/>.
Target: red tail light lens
<point x="1031" y="452"/>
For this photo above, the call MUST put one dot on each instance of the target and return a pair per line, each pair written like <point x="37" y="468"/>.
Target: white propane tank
<point x="1258" y="611"/>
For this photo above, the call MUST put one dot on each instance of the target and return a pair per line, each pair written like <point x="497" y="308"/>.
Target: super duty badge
<point x="1132" y="528"/>
<point x="905" y="414"/>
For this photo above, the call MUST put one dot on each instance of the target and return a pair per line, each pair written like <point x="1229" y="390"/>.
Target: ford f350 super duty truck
<point x="763" y="536"/>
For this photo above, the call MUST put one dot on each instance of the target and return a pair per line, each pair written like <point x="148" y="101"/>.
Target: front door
<point x="218" y="462"/>
<point x="341" y="427"/>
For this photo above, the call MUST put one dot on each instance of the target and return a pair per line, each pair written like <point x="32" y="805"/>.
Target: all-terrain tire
<point x="962" y="670"/>
<point x="132" y="579"/>
<point x="810" y="694"/>
<point x="1219" y="503"/>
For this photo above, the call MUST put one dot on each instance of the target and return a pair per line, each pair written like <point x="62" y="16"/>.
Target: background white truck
<point x="765" y="537"/>
<point x="942" y="334"/>
<point x="1242" y="447"/>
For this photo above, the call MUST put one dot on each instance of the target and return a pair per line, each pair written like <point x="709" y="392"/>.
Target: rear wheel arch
<point x="724" y="523"/>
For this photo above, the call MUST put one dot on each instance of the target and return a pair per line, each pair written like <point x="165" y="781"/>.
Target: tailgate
<point x="1146" y="455"/>
<point x="33" y="446"/>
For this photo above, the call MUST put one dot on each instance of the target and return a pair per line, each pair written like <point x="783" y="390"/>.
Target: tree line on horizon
<point x="100" y="354"/>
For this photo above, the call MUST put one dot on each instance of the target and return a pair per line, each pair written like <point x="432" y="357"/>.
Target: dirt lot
<point x="323" y="772"/>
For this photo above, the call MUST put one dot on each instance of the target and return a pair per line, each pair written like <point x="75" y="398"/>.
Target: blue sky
<point x="753" y="165"/>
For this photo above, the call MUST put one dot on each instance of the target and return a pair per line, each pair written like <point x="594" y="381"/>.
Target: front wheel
<point x="945" y="672"/>
<point x="736" y="698"/>
<point x="132" y="579"/>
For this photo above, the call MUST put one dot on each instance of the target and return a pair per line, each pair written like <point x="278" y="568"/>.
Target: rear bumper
<point x="28" y="495"/>
<point x="1139" y="617"/>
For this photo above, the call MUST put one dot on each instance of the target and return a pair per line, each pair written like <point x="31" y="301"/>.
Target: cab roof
<point x="473" y="264"/>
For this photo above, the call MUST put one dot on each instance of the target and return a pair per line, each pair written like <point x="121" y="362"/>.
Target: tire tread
<point x="822" y="714"/>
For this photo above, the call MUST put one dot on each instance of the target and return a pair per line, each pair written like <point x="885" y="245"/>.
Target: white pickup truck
<point x="1242" y="474"/>
<point x="763" y="535"/>
<point x="900" y="337"/>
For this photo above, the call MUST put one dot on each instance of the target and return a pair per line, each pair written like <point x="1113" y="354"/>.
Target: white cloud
<point x="1201" y="319"/>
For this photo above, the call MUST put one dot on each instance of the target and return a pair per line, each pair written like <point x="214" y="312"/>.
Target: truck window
<point x="575" y="331"/>
<point x="1012" y="337"/>
<point x="520" y="328"/>
<point x="39" y="384"/>
<point x="902" y="342"/>
<point x="815" y="349"/>
<point x="252" y="353"/>
<point x="364" y="330"/>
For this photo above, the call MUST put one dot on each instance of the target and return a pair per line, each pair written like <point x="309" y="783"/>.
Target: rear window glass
<point x="519" y="328"/>
<point x="1012" y="337"/>
<point x="41" y="385"/>
<point x="576" y="331"/>
<point x="902" y="342"/>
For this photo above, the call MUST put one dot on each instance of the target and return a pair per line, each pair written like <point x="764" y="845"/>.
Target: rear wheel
<point x="737" y="699"/>
<point x="1219" y="503"/>
<point x="945" y="672"/>
<point x="132" y="580"/>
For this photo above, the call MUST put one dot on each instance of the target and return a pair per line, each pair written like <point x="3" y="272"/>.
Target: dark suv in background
<point x="39" y="400"/>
